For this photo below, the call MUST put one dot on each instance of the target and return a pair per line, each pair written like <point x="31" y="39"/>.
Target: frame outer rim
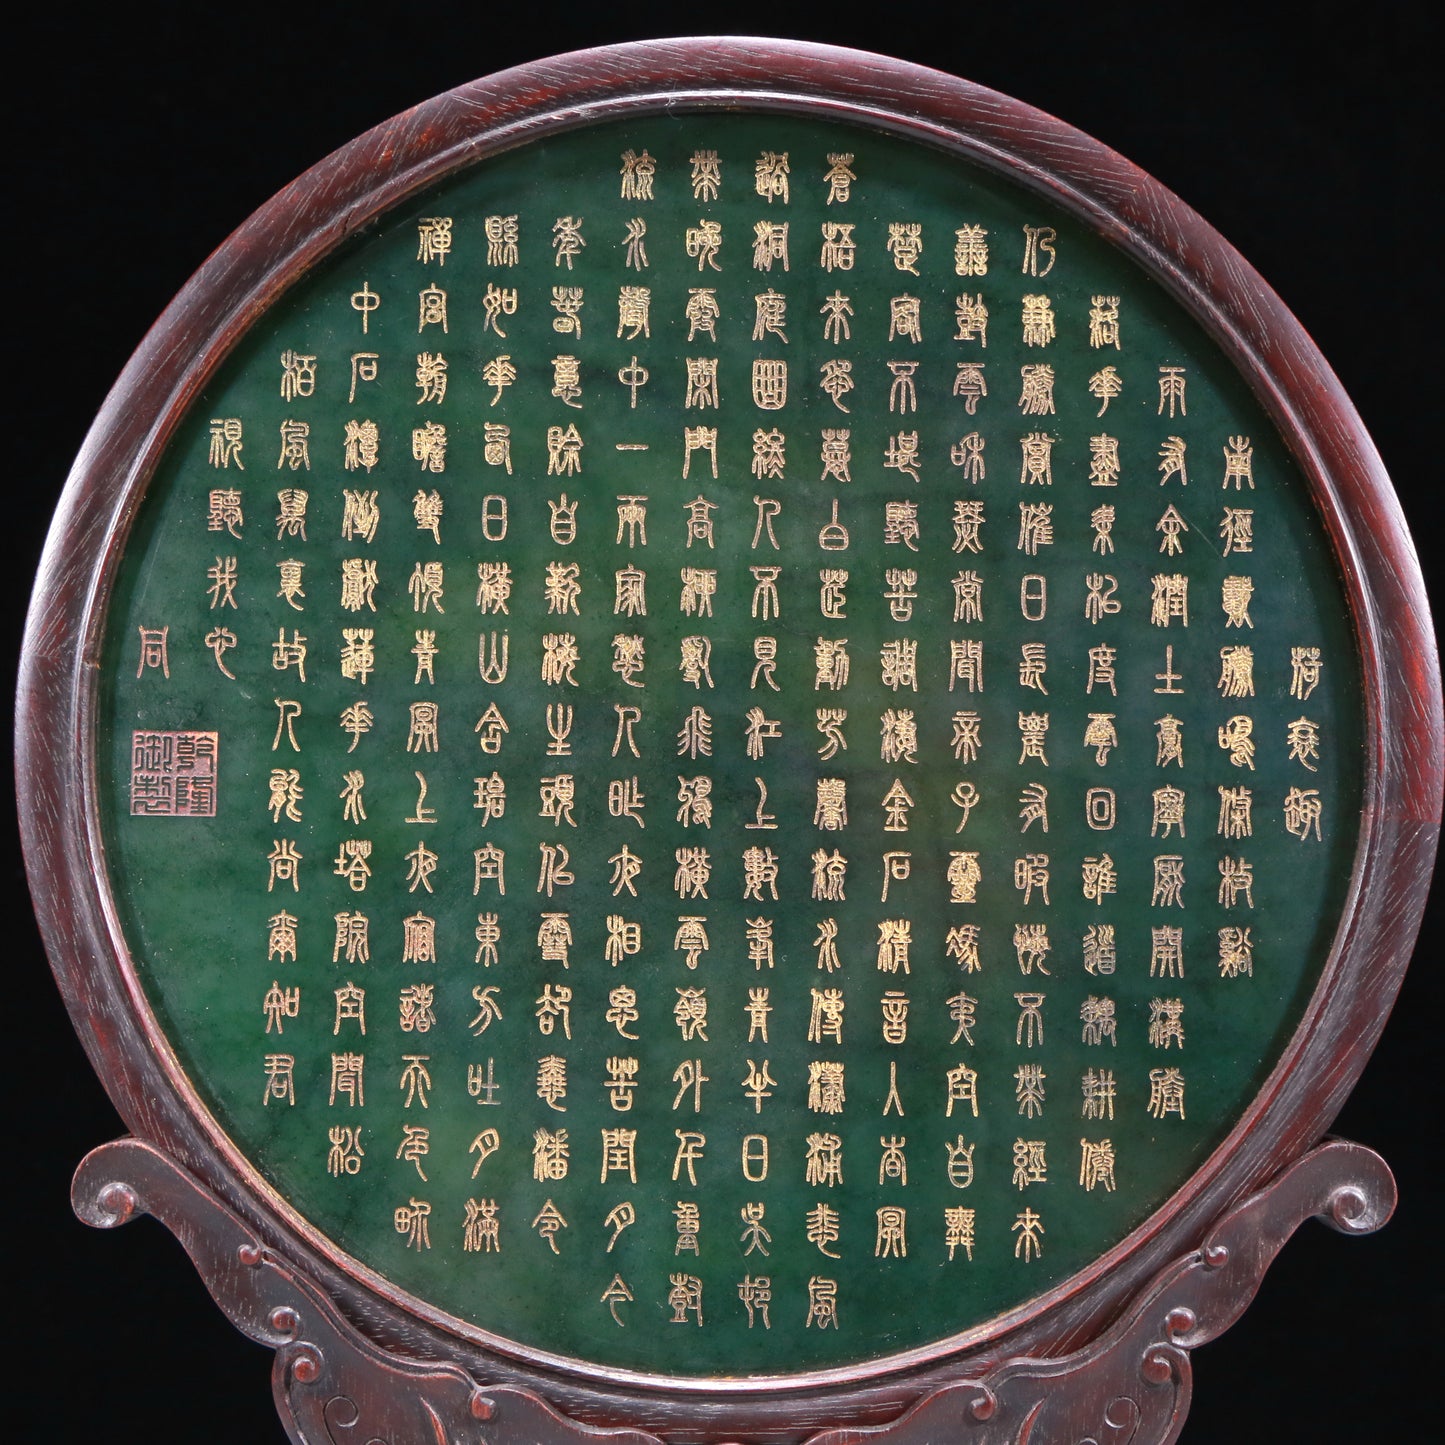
<point x="304" y="221"/>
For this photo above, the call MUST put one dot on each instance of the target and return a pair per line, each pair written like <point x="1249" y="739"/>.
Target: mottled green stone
<point x="192" y="893"/>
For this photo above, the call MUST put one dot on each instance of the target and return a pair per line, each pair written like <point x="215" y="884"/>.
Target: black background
<point x="138" y="144"/>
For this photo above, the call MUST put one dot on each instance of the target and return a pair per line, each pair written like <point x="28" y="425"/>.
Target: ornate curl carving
<point x="1132" y="1384"/>
<point x="331" y="1386"/>
<point x="1129" y="1386"/>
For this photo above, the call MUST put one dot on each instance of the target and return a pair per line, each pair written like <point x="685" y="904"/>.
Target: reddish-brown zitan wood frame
<point x="1402" y="795"/>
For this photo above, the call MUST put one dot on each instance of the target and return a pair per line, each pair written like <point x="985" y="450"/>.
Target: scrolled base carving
<point x="331" y="1386"/>
<point x="1129" y="1386"/>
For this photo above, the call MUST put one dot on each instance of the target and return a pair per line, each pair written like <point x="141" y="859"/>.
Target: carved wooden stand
<point x="1132" y="1383"/>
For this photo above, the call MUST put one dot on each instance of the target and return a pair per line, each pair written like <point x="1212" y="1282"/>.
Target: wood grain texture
<point x="1132" y="1382"/>
<point x="1378" y="543"/>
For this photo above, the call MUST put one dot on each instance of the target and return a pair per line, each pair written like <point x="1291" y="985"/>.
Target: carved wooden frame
<point x="1102" y="1354"/>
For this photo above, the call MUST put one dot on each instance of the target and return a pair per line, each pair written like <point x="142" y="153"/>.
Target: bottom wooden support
<point x="1130" y="1384"/>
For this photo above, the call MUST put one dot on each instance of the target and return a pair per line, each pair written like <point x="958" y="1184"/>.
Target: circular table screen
<point x="727" y="745"/>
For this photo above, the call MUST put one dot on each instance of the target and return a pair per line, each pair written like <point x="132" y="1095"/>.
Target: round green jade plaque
<point x="728" y="746"/>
